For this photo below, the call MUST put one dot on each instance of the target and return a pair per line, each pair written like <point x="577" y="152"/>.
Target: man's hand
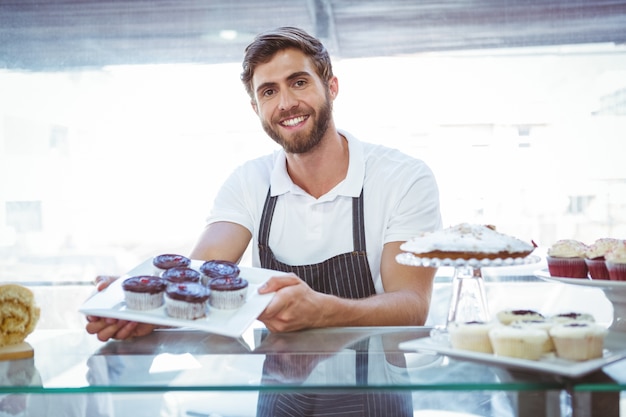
<point x="109" y="328"/>
<point x="295" y="305"/>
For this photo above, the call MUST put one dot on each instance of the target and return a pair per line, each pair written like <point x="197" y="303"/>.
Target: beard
<point x="304" y="141"/>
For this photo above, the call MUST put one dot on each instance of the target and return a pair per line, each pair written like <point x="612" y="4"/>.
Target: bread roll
<point x="18" y="314"/>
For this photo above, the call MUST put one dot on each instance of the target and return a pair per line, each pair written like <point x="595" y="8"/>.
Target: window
<point x="113" y="142"/>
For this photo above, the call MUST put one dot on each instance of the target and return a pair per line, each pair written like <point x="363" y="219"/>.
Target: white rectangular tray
<point x="233" y="323"/>
<point x="614" y="350"/>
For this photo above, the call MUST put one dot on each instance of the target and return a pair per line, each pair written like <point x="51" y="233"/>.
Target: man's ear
<point x="333" y="87"/>
<point x="254" y="106"/>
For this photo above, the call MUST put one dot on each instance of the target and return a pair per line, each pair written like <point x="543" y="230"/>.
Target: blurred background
<point x="119" y="120"/>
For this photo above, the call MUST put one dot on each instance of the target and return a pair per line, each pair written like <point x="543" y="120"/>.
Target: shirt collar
<point x="351" y="186"/>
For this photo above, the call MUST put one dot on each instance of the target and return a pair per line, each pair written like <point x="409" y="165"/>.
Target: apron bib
<point x="347" y="275"/>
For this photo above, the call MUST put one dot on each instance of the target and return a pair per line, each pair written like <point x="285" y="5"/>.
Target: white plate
<point x="233" y="323"/>
<point x="598" y="283"/>
<point x="614" y="350"/>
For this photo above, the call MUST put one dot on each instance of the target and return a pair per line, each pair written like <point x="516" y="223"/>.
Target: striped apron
<point x="348" y="276"/>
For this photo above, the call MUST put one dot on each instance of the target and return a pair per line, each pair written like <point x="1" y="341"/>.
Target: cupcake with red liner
<point x="566" y="258"/>
<point x="616" y="262"/>
<point x="595" y="257"/>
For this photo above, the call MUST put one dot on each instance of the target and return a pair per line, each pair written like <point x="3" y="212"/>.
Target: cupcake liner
<point x="143" y="300"/>
<point x="184" y="310"/>
<point x="517" y="348"/>
<point x="597" y="268"/>
<point x="617" y="272"/>
<point x="578" y="348"/>
<point x="567" y="267"/>
<point x="228" y="300"/>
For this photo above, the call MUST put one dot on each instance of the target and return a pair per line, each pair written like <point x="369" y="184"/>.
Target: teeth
<point x="294" y="121"/>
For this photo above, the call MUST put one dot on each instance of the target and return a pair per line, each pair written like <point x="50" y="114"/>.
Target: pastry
<point x="616" y="262"/>
<point x="169" y="260"/>
<point x="473" y="336"/>
<point x="467" y="241"/>
<point x="518" y="341"/>
<point x="544" y="325"/>
<point x="572" y="316"/>
<point x="218" y="269"/>
<point x="144" y="292"/>
<point x="507" y="317"/>
<point x="181" y="274"/>
<point x="566" y="259"/>
<point x="228" y="293"/>
<point x="19" y="314"/>
<point x="578" y="341"/>
<point x="186" y="301"/>
<point x="595" y="257"/>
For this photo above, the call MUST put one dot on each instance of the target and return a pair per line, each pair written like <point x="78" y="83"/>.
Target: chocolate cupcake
<point x="228" y="293"/>
<point x="144" y="292"/>
<point x="181" y="274"/>
<point x="168" y="260"/>
<point x="186" y="301"/>
<point x="218" y="269"/>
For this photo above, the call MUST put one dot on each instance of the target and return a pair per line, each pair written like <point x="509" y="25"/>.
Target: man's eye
<point x="268" y="93"/>
<point x="300" y="83"/>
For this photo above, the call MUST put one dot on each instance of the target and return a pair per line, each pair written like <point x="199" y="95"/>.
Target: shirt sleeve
<point x="417" y="207"/>
<point x="241" y="197"/>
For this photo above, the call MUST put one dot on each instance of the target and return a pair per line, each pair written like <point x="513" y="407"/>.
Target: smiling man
<point x="327" y="209"/>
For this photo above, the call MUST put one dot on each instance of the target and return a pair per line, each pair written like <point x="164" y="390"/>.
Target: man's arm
<point x="406" y="300"/>
<point x="222" y="240"/>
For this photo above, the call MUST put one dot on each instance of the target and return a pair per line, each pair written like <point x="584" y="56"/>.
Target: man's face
<point x="294" y="105"/>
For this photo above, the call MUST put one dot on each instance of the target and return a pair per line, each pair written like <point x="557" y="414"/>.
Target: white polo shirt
<point x="400" y="194"/>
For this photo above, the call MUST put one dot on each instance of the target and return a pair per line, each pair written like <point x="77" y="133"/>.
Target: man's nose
<point x="288" y="100"/>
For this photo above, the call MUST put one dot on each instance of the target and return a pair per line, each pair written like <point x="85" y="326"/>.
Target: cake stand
<point x="614" y="291"/>
<point x="468" y="302"/>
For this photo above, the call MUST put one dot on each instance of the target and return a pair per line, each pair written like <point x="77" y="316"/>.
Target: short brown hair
<point x="267" y="44"/>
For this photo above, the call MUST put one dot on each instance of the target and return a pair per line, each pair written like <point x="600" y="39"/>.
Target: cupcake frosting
<point x="577" y="330"/>
<point x="144" y="284"/>
<point x="568" y="248"/>
<point x="466" y="237"/>
<point x="617" y="254"/>
<point x="600" y="247"/>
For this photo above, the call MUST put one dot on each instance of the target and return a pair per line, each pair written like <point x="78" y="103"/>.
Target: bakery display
<point x="473" y="336"/>
<point x="144" y="292"/>
<point x="19" y="314"/>
<point x="228" y="293"/>
<point x="467" y="241"/>
<point x="528" y="334"/>
<point x="566" y="258"/>
<point x="181" y="274"/>
<point x="186" y="301"/>
<point x="578" y="341"/>
<point x="166" y="261"/>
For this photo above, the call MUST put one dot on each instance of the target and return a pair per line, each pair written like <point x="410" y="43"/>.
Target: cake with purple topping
<point x="143" y="292"/>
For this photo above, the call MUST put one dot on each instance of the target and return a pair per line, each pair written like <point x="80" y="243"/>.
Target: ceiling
<point x="51" y="35"/>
